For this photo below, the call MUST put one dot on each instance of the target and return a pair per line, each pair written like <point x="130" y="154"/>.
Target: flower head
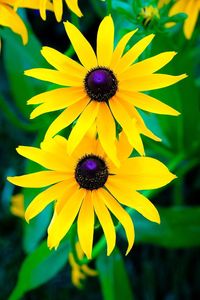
<point x="148" y="13"/>
<point x="86" y="184"/>
<point x="189" y="7"/>
<point x="17" y="205"/>
<point x="103" y="88"/>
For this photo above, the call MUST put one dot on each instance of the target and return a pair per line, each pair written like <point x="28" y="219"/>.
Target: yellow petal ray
<point x="128" y="124"/>
<point x="48" y="160"/>
<point x="36" y="4"/>
<point x="131" y="55"/>
<point x="124" y="148"/>
<point x="44" y="198"/>
<point x="56" y="146"/>
<point x="73" y="5"/>
<point x="179" y="6"/>
<point x="57" y="100"/>
<point x="150" y="82"/>
<point x="62" y="62"/>
<point x="9" y="18"/>
<point x="120" y="48"/>
<point x="107" y="132"/>
<point x="105" y="220"/>
<point x="86" y="225"/>
<point x="38" y="179"/>
<point x="66" y="117"/>
<point x="61" y="94"/>
<point x="122" y="216"/>
<point x="53" y="76"/>
<point x="88" y="271"/>
<point x="148" y="103"/>
<point x="64" y="220"/>
<point x="58" y="9"/>
<point x="105" y="41"/>
<point x="83" y="124"/>
<point x="147" y="66"/>
<point x="139" y="121"/>
<point x="71" y="187"/>
<point x="86" y="146"/>
<point x="189" y="24"/>
<point x="133" y="199"/>
<point x="43" y="5"/>
<point x="81" y="46"/>
<point x="146" y="173"/>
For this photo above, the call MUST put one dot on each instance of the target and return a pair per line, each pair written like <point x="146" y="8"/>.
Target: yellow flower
<point x="103" y="88"/>
<point x="79" y="272"/>
<point x="189" y="7"/>
<point x="86" y="184"/>
<point x="148" y="13"/>
<point x="9" y="17"/>
<point x="17" y="205"/>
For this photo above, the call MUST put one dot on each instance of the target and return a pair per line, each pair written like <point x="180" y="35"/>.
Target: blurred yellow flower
<point x="79" y="272"/>
<point x="189" y="7"/>
<point x="148" y="13"/>
<point x="17" y="205"/>
<point x="86" y="184"/>
<point x="102" y="89"/>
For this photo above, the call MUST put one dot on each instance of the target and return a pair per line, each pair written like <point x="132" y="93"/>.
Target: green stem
<point x="109" y="7"/>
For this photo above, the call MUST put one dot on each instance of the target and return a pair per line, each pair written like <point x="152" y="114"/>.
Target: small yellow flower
<point x="102" y="89"/>
<point x="17" y="205"/>
<point x="86" y="184"/>
<point x="79" y="272"/>
<point x="189" y="7"/>
<point x="148" y="13"/>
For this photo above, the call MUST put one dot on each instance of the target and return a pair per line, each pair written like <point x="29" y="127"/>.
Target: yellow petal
<point x="71" y="188"/>
<point x="107" y="134"/>
<point x="45" y="159"/>
<point x="63" y="63"/>
<point x="146" y="173"/>
<point x="128" y="124"/>
<point x="64" y="220"/>
<point x="66" y="117"/>
<point x="54" y="76"/>
<point x="122" y="216"/>
<point x="131" y="55"/>
<point x="43" y="4"/>
<point x="38" y="179"/>
<point x="86" y="225"/>
<point x="73" y="5"/>
<point x="147" y="66"/>
<point x="44" y="198"/>
<point x="124" y="148"/>
<point x="81" y="46"/>
<point x="179" y="6"/>
<point x="148" y="103"/>
<point x="83" y="124"/>
<point x="58" y="9"/>
<point x="9" y="18"/>
<point x="56" y="100"/>
<point x="88" y="271"/>
<point x="120" y="48"/>
<point x="36" y="4"/>
<point x="133" y="199"/>
<point x="150" y="82"/>
<point x="105" y="220"/>
<point x="56" y="146"/>
<point x="105" y="41"/>
<point x="193" y="11"/>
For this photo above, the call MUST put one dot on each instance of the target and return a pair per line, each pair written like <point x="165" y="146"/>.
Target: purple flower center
<point x="91" y="172"/>
<point x="100" y="84"/>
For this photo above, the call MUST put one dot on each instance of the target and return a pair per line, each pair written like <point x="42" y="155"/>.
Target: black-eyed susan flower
<point x="57" y="7"/>
<point x="79" y="272"/>
<point x="189" y="7"/>
<point x="101" y="88"/>
<point x="10" y="18"/>
<point x="87" y="184"/>
<point x="17" y="205"/>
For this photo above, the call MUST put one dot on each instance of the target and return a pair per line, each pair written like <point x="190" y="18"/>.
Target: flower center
<point x="100" y="84"/>
<point x="91" y="172"/>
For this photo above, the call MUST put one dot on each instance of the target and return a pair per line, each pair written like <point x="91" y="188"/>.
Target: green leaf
<point x="113" y="276"/>
<point x="39" y="267"/>
<point x="179" y="228"/>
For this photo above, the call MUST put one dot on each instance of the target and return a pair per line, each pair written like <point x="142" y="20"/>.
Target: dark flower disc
<point x="100" y="84"/>
<point x="91" y="172"/>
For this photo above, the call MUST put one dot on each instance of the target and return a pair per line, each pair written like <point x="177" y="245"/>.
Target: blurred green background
<point x="164" y="262"/>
